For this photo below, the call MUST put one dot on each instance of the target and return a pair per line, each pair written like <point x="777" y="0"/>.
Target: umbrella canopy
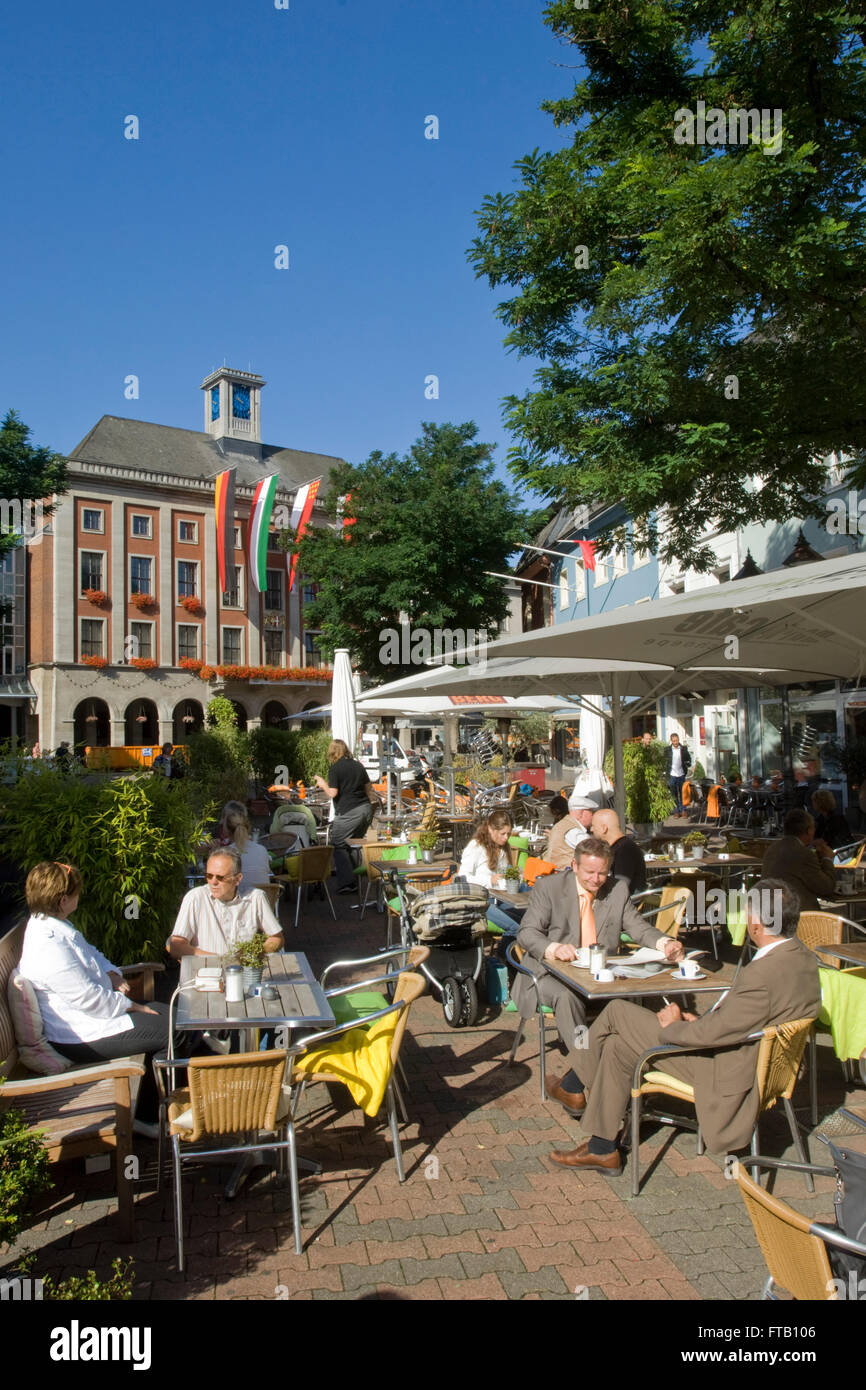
<point x="344" y="722"/>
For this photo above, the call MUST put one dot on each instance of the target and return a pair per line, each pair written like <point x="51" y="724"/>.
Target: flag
<point x="224" y="504"/>
<point x="301" y="512"/>
<point x="260" y="520"/>
<point x="587" y="554"/>
<point x="345" y="520"/>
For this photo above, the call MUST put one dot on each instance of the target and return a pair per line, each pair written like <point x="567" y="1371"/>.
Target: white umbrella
<point x="344" y="722"/>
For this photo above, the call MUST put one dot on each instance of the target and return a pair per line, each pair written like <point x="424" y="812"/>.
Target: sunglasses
<point x="221" y="878"/>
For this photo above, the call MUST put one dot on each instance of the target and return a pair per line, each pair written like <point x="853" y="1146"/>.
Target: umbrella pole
<point x="617" y="733"/>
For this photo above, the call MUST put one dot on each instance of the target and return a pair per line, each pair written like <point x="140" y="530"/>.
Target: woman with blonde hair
<point x="346" y="785"/>
<point x="235" y="830"/>
<point x="484" y="862"/>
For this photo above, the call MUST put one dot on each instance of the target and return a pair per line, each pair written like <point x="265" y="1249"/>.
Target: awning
<point x="17" y="690"/>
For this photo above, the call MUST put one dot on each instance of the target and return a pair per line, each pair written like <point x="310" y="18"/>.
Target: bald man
<point x="628" y="860"/>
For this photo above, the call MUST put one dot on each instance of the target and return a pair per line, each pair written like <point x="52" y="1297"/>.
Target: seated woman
<point x="84" y="1002"/>
<point x="484" y="862"/>
<point x="234" y="829"/>
<point x="830" y="824"/>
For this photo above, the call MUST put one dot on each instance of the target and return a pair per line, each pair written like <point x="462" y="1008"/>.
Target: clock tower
<point x="232" y="405"/>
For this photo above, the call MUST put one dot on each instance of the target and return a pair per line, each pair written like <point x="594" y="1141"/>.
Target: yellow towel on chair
<point x="361" y="1058"/>
<point x="843" y="1008"/>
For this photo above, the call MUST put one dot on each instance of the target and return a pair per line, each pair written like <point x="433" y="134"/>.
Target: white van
<point x="369" y="756"/>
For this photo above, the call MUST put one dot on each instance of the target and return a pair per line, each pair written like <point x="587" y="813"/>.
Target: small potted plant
<point x="512" y="876"/>
<point x="427" y="842"/>
<point x="696" y="842"/>
<point x="251" y="955"/>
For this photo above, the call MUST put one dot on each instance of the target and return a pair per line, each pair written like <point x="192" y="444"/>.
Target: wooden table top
<point x="852" y="951"/>
<point x="663" y="982"/>
<point x="709" y="861"/>
<point x="300" y="1003"/>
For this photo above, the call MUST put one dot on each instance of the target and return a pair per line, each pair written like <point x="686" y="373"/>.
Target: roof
<point x="142" y="447"/>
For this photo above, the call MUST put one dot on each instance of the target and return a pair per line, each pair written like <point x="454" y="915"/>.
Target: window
<point x="273" y="647"/>
<point x="140" y="570"/>
<point x="579" y="583"/>
<point x="620" y="562"/>
<point x="310" y="593"/>
<point x="91" y="569"/>
<point x="233" y="597"/>
<point x="187" y="578"/>
<point x="237" y="539"/>
<point x="142" y="639"/>
<point x="274" y="591"/>
<point x="564" y="592"/>
<point x="141" y="525"/>
<point x="187" y="531"/>
<point x="601" y="571"/>
<point x="187" y="641"/>
<point x="232" y="646"/>
<point x="313" y="657"/>
<point x="91" y="636"/>
<point x="723" y="572"/>
<point x="92" y="519"/>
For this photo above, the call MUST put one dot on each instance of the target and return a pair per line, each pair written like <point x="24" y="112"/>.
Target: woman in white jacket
<point x="484" y="862"/>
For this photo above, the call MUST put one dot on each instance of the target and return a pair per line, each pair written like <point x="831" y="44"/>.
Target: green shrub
<point x="698" y="772"/>
<point x="24" y="1171"/>
<point x="733" y="770"/>
<point x="489" y="775"/>
<point x="88" y="1288"/>
<point x="647" y="795"/>
<point x="132" y="838"/>
<point x="219" y="770"/>
<point x="271" y="749"/>
<point x="309" y="756"/>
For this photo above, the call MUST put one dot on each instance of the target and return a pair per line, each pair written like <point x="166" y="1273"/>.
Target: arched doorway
<point x="187" y="718"/>
<point x="274" y="715"/>
<point x="241" y="714"/>
<point x="141" y="723"/>
<point x="311" y="704"/>
<point x="92" y="724"/>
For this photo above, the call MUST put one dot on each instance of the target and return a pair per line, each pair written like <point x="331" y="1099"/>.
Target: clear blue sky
<point x="258" y="127"/>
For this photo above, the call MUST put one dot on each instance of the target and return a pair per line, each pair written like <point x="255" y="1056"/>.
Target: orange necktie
<point x="588" y="935"/>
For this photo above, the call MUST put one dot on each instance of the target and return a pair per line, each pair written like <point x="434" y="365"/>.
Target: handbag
<point x="850" y="1204"/>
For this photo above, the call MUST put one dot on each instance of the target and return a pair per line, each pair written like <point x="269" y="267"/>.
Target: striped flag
<point x="301" y="513"/>
<point x="224" y="503"/>
<point x="260" y="520"/>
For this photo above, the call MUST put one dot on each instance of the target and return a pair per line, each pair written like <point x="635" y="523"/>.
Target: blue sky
<point x="261" y="127"/>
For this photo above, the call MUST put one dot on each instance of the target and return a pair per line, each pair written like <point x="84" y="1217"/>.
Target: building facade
<point x="130" y="632"/>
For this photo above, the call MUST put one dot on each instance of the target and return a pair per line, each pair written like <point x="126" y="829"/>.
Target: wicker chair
<point x="313" y="866"/>
<point x="794" y="1248"/>
<point x="779" y="1056"/>
<point x="227" y="1096"/>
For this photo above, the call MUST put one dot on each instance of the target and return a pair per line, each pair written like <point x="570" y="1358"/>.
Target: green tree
<point x="428" y="527"/>
<point x="26" y="473"/>
<point x="698" y="308"/>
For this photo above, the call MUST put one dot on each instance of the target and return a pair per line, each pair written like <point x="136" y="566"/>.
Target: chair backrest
<point x="314" y="865"/>
<point x="272" y="893"/>
<point x="235" y="1095"/>
<point x="409" y="986"/>
<point x="817" y="928"/>
<point x="11" y="947"/>
<point x="397" y="853"/>
<point x="796" y="1260"/>
<point x="779" y="1057"/>
<point x="674" y="903"/>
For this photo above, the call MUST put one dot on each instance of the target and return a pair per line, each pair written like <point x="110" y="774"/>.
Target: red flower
<point x="190" y="663"/>
<point x="97" y="596"/>
<point x="142" y="600"/>
<point x="143" y="663"/>
<point x="192" y="604"/>
<point x="97" y="661"/>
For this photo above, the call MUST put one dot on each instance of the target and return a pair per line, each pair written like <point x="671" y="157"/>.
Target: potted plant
<point x="96" y="596"/>
<point x="696" y="842"/>
<point x="142" y="601"/>
<point x="251" y="955"/>
<point x="512" y="875"/>
<point x="192" y="603"/>
<point x="427" y="842"/>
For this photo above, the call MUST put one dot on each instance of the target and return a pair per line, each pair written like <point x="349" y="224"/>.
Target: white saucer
<point x="675" y="974"/>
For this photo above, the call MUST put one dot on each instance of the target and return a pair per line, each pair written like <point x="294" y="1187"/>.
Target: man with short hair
<point x="678" y="760"/>
<point x="215" y="918"/>
<point x="559" y="851"/>
<point x="779" y="984"/>
<point x="801" y="861"/>
<point x="566" y="912"/>
<point x="628" y="860"/>
<point x="165" y="765"/>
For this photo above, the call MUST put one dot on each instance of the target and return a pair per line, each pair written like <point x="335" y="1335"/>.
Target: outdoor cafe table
<point x="852" y="952"/>
<point x="723" y="867"/>
<point x="661" y="983"/>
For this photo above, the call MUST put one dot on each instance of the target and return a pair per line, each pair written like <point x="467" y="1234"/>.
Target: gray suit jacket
<point x="778" y="988"/>
<point x="553" y="915"/>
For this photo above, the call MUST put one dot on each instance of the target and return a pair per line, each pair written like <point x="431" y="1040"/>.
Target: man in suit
<point x="678" y="760"/>
<point x="779" y="985"/>
<point x="801" y="861"/>
<point x="567" y="911"/>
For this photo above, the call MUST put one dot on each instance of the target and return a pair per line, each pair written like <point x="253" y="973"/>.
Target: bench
<point x="86" y="1110"/>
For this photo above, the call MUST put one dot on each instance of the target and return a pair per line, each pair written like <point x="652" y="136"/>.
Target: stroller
<point x="450" y="918"/>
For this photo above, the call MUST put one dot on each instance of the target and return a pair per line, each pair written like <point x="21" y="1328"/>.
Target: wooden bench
<point x="86" y="1110"/>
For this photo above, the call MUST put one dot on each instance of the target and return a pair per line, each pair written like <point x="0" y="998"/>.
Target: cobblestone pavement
<point x="483" y="1213"/>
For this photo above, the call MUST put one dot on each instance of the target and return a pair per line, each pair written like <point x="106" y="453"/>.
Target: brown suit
<point x="553" y="915"/>
<point x="799" y="866"/>
<point x="781" y="986"/>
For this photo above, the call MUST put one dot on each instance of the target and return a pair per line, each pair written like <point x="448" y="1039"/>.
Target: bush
<point x="271" y="749"/>
<point x="219" y="760"/>
<point x="132" y="838"/>
<point x="648" y="798"/>
<point x="24" y="1171"/>
<point x="733" y="770"/>
<point x="698" y="772"/>
<point x="309" y="758"/>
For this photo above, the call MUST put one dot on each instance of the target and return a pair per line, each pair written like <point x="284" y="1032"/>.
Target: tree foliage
<point x="428" y="526"/>
<point x="712" y="332"/>
<point x="26" y="471"/>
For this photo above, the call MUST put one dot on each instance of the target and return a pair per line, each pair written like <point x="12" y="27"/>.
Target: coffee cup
<point x="581" y="960"/>
<point x="689" y="969"/>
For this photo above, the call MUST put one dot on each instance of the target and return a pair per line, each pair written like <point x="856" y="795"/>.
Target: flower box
<point x="96" y="596"/>
<point x="190" y="663"/>
<point x="192" y="604"/>
<point x="143" y="663"/>
<point x="143" y="601"/>
<point x="97" y="661"/>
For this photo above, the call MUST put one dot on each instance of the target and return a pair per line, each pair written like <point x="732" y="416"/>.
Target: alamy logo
<point x="21" y="517"/>
<point x="736" y="126"/>
<point x="21" y="1290"/>
<point x="77" y="1343"/>
<point x="418" y="646"/>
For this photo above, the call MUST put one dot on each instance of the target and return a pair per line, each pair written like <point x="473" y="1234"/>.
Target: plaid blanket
<point x="449" y="906"/>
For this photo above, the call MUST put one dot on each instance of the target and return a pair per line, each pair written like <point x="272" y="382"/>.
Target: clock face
<point x="214" y="403"/>
<point x="241" y="402"/>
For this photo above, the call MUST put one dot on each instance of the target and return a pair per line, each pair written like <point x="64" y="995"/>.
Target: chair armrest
<point x="363" y="984"/>
<point x="38" y="1085"/>
<point x="654" y="911"/>
<point x="674" y="1049"/>
<point x="523" y="970"/>
<point x="362" y="960"/>
<point x="315" y="1038"/>
<point x="858" y="926"/>
<point x="831" y="1236"/>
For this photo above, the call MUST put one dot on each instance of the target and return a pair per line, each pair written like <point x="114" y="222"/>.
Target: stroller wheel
<point x="452" y="1002"/>
<point x="468" y="1000"/>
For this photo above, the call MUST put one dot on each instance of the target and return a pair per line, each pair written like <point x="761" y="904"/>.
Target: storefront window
<point x="814" y="730"/>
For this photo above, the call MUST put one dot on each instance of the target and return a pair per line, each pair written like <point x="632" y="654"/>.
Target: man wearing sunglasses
<point x="216" y="917"/>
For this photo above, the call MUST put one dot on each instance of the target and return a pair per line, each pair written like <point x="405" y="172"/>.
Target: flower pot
<point x="698" y="851"/>
<point x="251" y="977"/>
<point x="427" y="856"/>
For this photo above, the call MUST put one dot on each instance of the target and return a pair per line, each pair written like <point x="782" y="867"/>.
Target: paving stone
<point x="542" y="1280"/>
<point x="386" y="1272"/>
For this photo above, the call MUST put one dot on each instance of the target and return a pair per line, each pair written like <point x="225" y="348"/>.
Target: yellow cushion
<point x="670" y="1083"/>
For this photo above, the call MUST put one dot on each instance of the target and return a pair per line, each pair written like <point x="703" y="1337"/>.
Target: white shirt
<point x="255" y="866"/>
<point x="770" y="946"/>
<point x="677" y="761"/>
<point x="218" y="927"/>
<point x="77" y="1000"/>
<point x="475" y="868"/>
